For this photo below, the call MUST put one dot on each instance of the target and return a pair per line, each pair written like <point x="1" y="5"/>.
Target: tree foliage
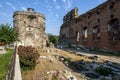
<point x="53" y="38"/>
<point x="105" y="71"/>
<point x="31" y="17"/>
<point x="8" y="34"/>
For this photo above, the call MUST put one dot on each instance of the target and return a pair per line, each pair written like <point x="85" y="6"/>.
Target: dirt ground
<point x="51" y="64"/>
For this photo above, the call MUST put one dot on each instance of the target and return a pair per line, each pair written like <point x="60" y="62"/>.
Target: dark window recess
<point x="112" y="5"/>
<point x="76" y="32"/>
<point x="98" y="20"/>
<point x="76" y="21"/>
<point x="114" y="29"/>
<point x="29" y="29"/>
<point x="85" y="33"/>
<point x="89" y="16"/>
<point x="24" y="22"/>
<point x="63" y="36"/>
<point x="98" y="12"/>
<point x="96" y="33"/>
<point x="111" y="16"/>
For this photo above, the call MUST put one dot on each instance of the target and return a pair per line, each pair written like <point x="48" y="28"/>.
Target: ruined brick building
<point x="97" y="28"/>
<point x="31" y="28"/>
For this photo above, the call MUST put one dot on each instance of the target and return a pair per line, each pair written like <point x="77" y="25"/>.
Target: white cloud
<point x="8" y="3"/>
<point x="64" y="0"/>
<point x="67" y="4"/>
<point x="11" y="5"/>
<point x="54" y="0"/>
<point x="56" y="4"/>
<point x="4" y="14"/>
<point x="66" y="8"/>
<point x="100" y="1"/>
<point x="23" y="8"/>
<point x="49" y="10"/>
<point x="57" y="7"/>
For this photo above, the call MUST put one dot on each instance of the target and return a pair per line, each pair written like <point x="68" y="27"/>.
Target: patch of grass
<point x="4" y="62"/>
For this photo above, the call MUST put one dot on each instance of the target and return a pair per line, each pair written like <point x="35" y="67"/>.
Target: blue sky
<point x="54" y="10"/>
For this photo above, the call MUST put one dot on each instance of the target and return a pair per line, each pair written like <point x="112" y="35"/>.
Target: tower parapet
<point x="31" y="28"/>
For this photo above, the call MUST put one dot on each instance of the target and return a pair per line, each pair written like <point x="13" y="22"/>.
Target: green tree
<point x="8" y="34"/>
<point x="53" y="38"/>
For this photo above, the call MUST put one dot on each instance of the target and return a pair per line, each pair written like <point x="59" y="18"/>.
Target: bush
<point x="28" y="56"/>
<point x="77" y="66"/>
<point x="103" y="71"/>
<point x="68" y="59"/>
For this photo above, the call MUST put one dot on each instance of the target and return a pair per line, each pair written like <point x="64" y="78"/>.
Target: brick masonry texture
<point x="97" y="28"/>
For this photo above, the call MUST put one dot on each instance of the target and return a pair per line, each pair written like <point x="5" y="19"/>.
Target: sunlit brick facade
<point x="97" y="28"/>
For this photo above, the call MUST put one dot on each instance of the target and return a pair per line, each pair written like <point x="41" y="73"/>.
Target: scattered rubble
<point x="93" y="70"/>
<point x="61" y="75"/>
<point x="82" y="68"/>
<point x="47" y="58"/>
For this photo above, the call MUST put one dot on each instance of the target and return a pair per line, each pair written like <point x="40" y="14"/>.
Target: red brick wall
<point x="103" y="13"/>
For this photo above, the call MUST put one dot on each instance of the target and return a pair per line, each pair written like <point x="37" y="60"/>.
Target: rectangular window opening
<point x="96" y="33"/>
<point x="114" y="29"/>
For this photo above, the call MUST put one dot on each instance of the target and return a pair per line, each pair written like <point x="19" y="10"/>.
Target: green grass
<point x="4" y="62"/>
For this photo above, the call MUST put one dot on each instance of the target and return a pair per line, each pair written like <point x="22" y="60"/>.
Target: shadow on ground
<point x="94" y="70"/>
